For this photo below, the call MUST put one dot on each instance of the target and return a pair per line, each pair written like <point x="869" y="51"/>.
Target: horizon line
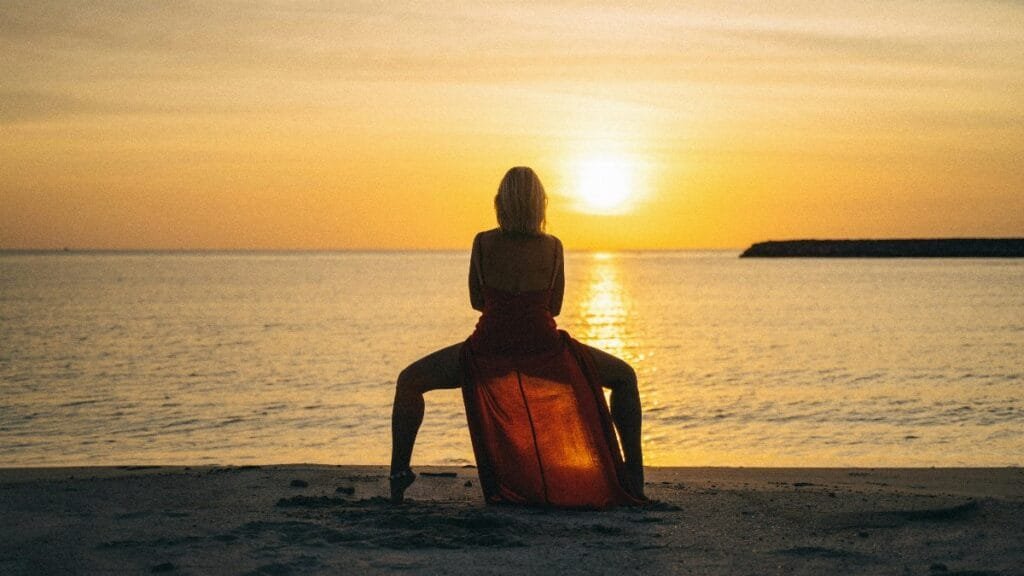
<point x="68" y="250"/>
<point x="72" y="250"/>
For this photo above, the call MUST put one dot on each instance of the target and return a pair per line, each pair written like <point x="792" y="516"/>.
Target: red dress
<point x="541" y="430"/>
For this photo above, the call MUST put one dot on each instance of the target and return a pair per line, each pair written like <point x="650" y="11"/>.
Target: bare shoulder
<point x="554" y="242"/>
<point x="487" y="235"/>
<point x="495" y="237"/>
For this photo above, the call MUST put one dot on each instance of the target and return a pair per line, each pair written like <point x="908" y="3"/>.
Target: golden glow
<point x="388" y="125"/>
<point x="604" y="184"/>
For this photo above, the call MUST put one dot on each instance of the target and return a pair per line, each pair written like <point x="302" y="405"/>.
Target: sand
<point x="303" y="519"/>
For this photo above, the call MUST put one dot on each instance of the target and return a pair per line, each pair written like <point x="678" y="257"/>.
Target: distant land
<point x="909" y="248"/>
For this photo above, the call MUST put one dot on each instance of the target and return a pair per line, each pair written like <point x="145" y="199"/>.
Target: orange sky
<point x="388" y="125"/>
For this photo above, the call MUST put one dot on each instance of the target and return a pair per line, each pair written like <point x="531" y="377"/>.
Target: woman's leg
<point x="441" y="369"/>
<point x="620" y="378"/>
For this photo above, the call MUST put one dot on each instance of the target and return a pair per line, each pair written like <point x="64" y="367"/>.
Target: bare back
<point x="514" y="263"/>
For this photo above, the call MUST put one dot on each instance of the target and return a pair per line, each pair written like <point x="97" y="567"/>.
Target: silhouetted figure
<point x="541" y="431"/>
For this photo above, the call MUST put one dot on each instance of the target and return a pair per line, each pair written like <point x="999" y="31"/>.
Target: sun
<point x="604" y="185"/>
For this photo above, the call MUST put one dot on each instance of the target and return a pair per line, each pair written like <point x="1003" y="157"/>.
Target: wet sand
<point x="333" y="519"/>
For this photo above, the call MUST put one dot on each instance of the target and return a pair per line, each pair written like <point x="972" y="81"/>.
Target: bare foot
<point x="399" y="482"/>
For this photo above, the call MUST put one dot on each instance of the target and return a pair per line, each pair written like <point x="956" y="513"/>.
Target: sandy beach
<point x="333" y="519"/>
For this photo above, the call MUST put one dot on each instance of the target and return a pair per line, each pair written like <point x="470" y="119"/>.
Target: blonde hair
<point x="521" y="202"/>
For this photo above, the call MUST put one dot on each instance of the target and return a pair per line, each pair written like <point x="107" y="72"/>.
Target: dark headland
<point x="910" y="248"/>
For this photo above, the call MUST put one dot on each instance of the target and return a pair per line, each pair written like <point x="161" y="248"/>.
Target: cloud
<point x="453" y="42"/>
<point x="28" y="105"/>
<point x="61" y="58"/>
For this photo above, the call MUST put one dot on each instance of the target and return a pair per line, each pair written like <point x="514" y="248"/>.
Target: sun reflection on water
<point x="607" y="320"/>
<point x="604" y="308"/>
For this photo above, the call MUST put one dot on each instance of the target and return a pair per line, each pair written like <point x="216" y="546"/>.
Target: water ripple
<point x="192" y="358"/>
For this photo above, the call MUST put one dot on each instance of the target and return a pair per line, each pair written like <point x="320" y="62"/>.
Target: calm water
<point x="269" y="358"/>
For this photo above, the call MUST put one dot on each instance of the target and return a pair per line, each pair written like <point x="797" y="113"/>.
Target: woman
<point x="541" y="431"/>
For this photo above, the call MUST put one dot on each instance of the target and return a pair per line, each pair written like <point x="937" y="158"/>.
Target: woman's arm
<point x="558" y="289"/>
<point x="476" y="289"/>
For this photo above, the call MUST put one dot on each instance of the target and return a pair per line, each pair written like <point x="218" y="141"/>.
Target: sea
<point x="191" y="358"/>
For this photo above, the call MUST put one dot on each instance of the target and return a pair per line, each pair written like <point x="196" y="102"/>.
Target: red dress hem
<point x="541" y="430"/>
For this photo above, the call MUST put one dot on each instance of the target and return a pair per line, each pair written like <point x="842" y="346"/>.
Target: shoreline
<point x="295" y="519"/>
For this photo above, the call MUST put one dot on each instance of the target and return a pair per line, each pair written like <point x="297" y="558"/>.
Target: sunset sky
<point x="293" y="125"/>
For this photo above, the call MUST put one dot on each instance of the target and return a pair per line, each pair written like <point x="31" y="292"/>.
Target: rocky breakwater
<point x="909" y="248"/>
